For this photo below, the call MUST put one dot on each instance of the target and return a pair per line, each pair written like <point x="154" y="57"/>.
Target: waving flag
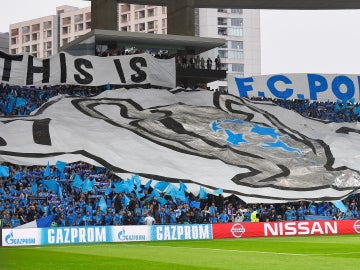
<point x="4" y="171"/>
<point x="78" y="182"/>
<point x="255" y="150"/>
<point x="47" y="170"/>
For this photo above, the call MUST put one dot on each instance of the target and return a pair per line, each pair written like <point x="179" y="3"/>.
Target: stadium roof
<point x="261" y="4"/>
<point x="146" y="40"/>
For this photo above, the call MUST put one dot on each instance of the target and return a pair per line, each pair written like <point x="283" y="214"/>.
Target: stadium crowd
<point x="82" y="194"/>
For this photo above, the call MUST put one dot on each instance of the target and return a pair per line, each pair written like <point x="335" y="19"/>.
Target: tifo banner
<point x="290" y="228"/>
<point x="310" y="86"/>
<point x="64" y="68"/>
<point x="255" y="150"/>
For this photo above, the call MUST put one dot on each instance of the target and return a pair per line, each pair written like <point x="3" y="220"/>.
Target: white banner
<point x="256" y="150"/>
<point x="320" y="87"/>
<point x="64" y="68"/>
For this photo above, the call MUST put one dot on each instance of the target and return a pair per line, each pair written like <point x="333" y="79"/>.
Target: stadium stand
<point x="82" y="194"/>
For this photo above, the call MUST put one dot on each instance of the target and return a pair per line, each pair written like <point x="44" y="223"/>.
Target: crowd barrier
<point x="107" y="234"/>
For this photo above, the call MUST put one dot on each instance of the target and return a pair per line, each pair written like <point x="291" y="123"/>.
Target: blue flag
<point x="218" y="191"/>
<point x="162" y="201"/>
<point x="60" y="165"/>
<point x="34" y="189"/>
<point x="154" y="193"/>
<point x="47" y="170"/>
<point x="203" y="194"/>
<point x="78" y="182"/>
<point x="45" y="221"/>
<point x="340" y="205"/>
<point x="19" y="175"/>
<point x="195" y="204"/>
<point x="102" y="204"/>
<point x="108" y="189"/>
<point x="183" y="187"/>
<point x="4" y="171"/>
<point x="59" y="193"/>
<point x="51" y="185"/>
<point x="147" y="185"/>
<point x="126" y="201"/>
<point x="88" y="185"/>
<point x="20" y="102"/>
<point x="161" y="185"/>
<point x="139" y="195"/>
<point x="137" y="182"/>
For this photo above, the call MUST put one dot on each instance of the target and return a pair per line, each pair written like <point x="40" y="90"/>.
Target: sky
<point x="291" y="41"/>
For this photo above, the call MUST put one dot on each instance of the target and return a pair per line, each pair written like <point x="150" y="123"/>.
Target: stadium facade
<point x="241" y="56"/>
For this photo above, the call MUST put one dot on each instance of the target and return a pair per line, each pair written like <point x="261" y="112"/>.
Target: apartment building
<point x="42" y="37"/>
<point x="73" y="22"/>
<point x="142" y="18"/>
<point x="37" y="37"/>
<point x="241" y="56"/>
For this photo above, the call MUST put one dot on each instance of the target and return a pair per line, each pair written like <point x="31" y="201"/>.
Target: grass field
<point x="305" y="253"/>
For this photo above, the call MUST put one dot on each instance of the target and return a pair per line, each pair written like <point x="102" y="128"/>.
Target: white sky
<point x="291" y="41"/>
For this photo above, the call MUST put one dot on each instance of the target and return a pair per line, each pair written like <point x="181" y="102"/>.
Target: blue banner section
<point x="340" y="205"/>
<point x="181" y="232"/>
<point x="76" y="235"/>
<point x="299" y="86"/>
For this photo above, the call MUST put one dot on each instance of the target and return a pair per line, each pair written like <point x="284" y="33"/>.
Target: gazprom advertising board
<point x="107" y="234"/>
<point x="181" y="232"/>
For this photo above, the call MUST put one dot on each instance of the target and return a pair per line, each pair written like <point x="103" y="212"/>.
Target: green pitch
<point x="290" y="253"/>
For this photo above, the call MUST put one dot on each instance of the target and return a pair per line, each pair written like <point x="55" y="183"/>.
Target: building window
<point x="26" y="49"/>
<point x="13" y="41"/>
<point x="88" y="25"/>
<point x="25" y="29"/>
<point x="48" y="54"/>
<point x="35" y="27"/>
<point x="141" y="26"/>
<point x="236" y="22"/>
<point x="238" y="32"/>
<point x="14" y="32"/>
<point x="64" y="41"/>
<point x="78" y="18"/>
<point x="236" y="54"/>
<point x="222" y="31"/>
<point x="79" y="27"/>
<point x="151" y="12"/>
<point x="34" y="48"/>
<point x="48" y="33"/>
<point x="237" y="67"/>
<point x="66" y="20"/>
<point x="124" y="29"/>
<point x="124" y="18"/>
<point x="223" y="54"/>
<point x="239" y="45"/>
<point x="222" y="21"/>
<point x="164" y="23"/>
<point x="13" y="51"/>
<point x="65" y="30"/>
<point x="236" y="10"/>
<point x="34" y="36"/>
<point x="151" y="25"/>
<point x="25" y="38"/>
<point x="47" y="24"/>
<point x="222" y="10"/>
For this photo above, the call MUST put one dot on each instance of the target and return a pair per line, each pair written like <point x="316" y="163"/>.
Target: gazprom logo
<point x="123" y="236"/>
<point x="11" y="240"/>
